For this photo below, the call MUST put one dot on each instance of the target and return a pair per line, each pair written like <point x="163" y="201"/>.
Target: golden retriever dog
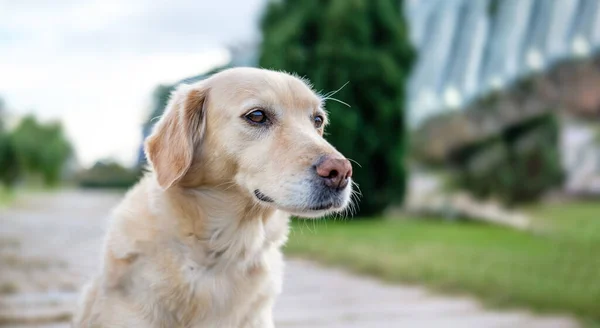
<point x="197" y="242"/>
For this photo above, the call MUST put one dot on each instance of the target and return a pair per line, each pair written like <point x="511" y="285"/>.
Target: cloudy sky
<point x="94" y="63"/>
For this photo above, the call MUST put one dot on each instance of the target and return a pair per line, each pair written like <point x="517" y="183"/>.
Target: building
<point x="467" y="48"/>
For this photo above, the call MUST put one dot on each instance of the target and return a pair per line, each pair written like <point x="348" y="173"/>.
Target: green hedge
<point x="108" y="175"/>
<point x="518" y="166"/>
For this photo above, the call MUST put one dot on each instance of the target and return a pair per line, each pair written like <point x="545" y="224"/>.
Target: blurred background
<point x="473" y="125"/>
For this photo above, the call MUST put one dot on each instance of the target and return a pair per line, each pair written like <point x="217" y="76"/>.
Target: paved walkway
<point x="50" y="244"/>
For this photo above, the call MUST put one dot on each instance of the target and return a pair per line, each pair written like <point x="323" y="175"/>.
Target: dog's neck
<point x="228" y="224"/>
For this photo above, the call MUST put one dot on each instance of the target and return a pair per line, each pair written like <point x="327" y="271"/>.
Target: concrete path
<point x="49" y="246"/>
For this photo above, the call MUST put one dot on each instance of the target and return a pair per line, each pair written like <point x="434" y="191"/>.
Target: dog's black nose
<point x="335" y="171"/>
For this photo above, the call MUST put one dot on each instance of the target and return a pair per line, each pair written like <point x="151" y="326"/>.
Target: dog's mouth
<point x="318" y="207"/>
<point x="262" y="196"/>
<point x="321" y="207"/>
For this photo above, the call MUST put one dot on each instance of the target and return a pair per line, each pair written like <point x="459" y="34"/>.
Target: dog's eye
<point x="257" y="116"/>
<point x="318" y="121"/>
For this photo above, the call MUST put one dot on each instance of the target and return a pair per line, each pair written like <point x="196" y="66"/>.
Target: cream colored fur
<point x="191" y="245"/>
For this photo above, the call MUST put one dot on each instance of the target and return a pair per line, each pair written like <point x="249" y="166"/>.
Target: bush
<point x="516" y="167"/>
<point x="109" y="175"/>
<point x="364" y="44"/>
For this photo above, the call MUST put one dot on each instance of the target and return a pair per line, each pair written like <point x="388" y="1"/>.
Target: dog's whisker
<point x="350" y="210"/>
<point x="355" y="162"/>
<point x="356" y="188"/>
<point x="339" y="101"/>
<point x="332" y="93"/>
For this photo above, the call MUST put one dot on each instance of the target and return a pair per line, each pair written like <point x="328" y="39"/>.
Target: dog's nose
<point x="335" y="171"/>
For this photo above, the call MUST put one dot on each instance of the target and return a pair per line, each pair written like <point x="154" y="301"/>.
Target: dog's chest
<point x="229" y="280"/>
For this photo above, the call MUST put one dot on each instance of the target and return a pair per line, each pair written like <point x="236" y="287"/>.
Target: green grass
<point x="580" y="220"/>
<point x="13" y="196"/>
<point x="6" y="197"/>
<point x="555" y="270"/>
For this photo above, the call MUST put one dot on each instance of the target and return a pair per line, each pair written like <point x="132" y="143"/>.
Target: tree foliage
<point x="10" y="171"/>
<point x="41" y="148"/>
<point x="2" y="114"/>
<point x="9" y="166"/>
<point x="364" y="44"/>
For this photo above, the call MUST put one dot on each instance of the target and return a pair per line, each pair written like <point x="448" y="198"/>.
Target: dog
<point x="197" y="241"/>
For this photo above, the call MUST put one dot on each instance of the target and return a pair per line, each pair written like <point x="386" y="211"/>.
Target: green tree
<point x="2" y="114"/>
<point x="41" y="148"/>
<point x="55" y="153"/>
<point x="10" y="171"/>
<point x="9" y="165"/>
<point x="364" y="44"/>
<point x="28" y="139"/>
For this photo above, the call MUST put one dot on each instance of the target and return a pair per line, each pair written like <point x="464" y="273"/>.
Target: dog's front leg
<point x="262" y="323"/>
<point x="263" y="319"/>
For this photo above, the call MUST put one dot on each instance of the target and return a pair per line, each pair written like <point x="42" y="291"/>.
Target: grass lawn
<point x="556" y="270"/>
<point x="6" y="197"/>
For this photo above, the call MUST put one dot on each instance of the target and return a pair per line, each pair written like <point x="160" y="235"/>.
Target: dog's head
<point x="255" y="130"/>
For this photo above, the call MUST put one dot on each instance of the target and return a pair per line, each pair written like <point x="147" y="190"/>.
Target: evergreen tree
<point x="364" y="46"/>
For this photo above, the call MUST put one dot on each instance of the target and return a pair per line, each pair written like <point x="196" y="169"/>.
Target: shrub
<point x="518" y="166"/>
<point x="108" y="175"/>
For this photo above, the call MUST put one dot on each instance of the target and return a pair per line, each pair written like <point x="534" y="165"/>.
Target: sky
<point x="93" y="64"/>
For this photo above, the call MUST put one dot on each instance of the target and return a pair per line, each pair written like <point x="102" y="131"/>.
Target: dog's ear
<point x="170" y="147"/>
